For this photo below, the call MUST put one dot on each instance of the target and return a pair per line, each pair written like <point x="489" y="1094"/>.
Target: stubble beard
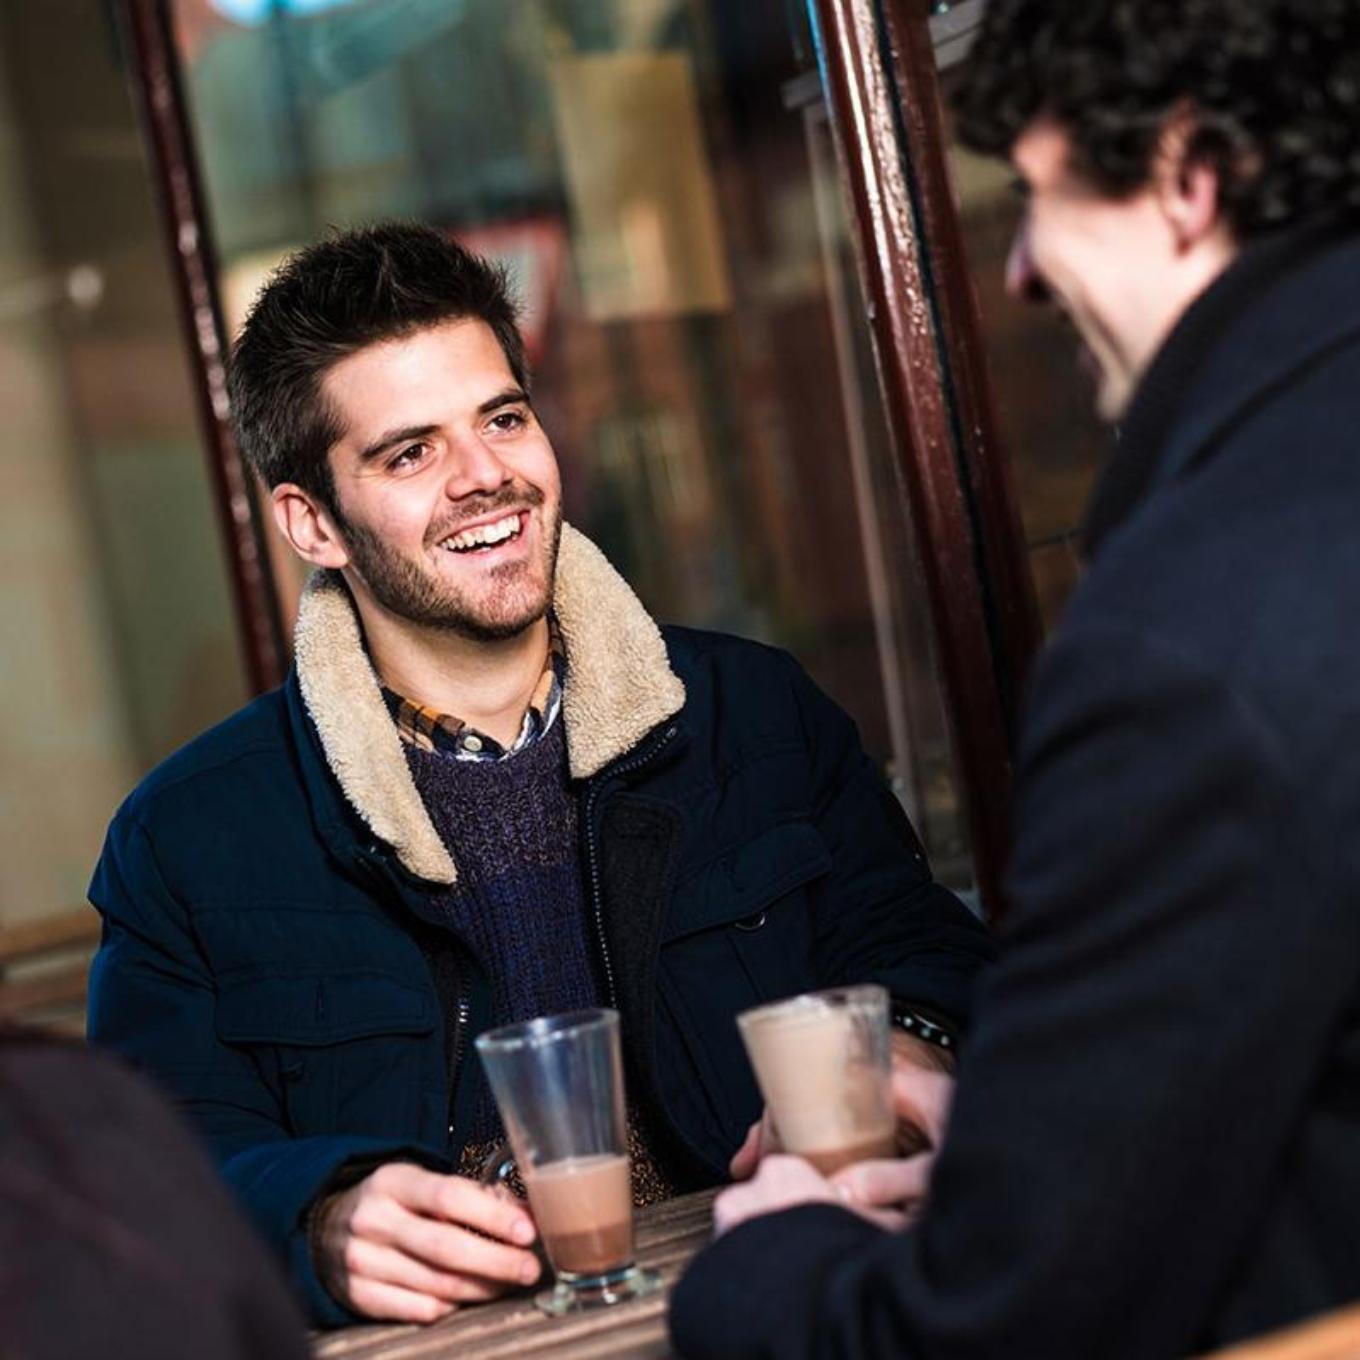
<point x="418" y="594"/>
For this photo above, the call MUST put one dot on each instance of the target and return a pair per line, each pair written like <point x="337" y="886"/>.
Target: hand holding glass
<point x="824" y="1066"/>
<point x="558" y="1083"/>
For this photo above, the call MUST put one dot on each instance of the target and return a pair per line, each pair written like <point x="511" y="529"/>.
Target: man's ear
<point x="1187" y="189"/>
<point x="307" y="525"/>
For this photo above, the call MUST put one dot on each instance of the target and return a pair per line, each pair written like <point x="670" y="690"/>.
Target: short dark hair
<point x="1272" y="88"/>
<point x="354" y="289"/>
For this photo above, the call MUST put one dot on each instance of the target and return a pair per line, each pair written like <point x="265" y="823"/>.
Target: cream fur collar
<point x="619" y="686"/>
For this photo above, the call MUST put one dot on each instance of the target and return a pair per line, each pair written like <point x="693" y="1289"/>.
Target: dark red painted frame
<point x="159" y="97"/>
<point x="988" y="470"/>
<point x="878" y="69"/>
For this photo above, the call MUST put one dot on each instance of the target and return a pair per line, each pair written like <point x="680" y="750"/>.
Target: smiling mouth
<point x="487" y="536"/>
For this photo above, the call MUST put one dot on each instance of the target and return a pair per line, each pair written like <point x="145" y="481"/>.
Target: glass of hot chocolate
<point x="824" y="1065"/>
<point x="558" y="1083"/>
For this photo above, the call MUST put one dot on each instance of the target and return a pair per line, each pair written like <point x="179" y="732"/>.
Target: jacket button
<point x="752" y="922"/>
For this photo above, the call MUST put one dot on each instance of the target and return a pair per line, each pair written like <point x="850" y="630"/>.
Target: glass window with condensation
<point x="660" y="176"/>
<point x="119" y="637"/>
<point x="1044" y="400"/>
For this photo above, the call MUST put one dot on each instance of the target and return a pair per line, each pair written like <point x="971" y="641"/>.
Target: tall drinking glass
<point x="824" y="1065"/>
<point x="558" y="1083"/>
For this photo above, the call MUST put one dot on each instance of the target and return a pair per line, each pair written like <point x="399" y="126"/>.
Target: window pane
<point x="1044" y="402"/>
<point x="660" y="175"/>
<point x="119" y="640"/>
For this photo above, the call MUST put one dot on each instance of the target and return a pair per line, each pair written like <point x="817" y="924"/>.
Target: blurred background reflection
<point x="118" y="636"/>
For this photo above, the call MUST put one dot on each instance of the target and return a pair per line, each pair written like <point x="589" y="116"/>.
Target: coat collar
<point x="619" y="686"/>
<point x="1247" y="335"/>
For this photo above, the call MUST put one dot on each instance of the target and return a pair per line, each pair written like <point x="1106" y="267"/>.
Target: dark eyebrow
<point x="512" y="396"/>
<point x="385" y="441"/>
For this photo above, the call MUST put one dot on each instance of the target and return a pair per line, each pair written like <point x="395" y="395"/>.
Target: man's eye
<point x="509" y="420"/>
<point x="407" y="457"/>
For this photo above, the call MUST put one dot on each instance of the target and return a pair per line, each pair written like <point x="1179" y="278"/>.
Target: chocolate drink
<point x="584" y="1209"/>
<point x="830" y="1160"/>
<point x="828" y="1093"/>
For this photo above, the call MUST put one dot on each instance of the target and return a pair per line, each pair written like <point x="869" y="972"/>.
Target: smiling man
<point x="1152" y="1148"/>
<point x="491" y="788"/>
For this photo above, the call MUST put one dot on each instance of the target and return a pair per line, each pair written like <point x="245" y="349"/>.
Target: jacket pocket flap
<point x="320" y="1008"/>
<point x="743" y="883"/>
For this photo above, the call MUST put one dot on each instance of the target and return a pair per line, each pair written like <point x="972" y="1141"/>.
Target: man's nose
<point x="474" y="467"/>
<point x="1024" y="282"/>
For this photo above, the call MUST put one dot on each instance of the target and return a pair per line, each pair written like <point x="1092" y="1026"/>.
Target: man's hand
<point x="410" y="1245"/>
<point x="890" y="1192"/>
<point x="779" y="1183"/>
<point x="762" y="1138"/>
<point x="922" y="1091"/>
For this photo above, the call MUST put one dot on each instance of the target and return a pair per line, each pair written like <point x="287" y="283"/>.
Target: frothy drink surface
<point x="584" y="1209"/>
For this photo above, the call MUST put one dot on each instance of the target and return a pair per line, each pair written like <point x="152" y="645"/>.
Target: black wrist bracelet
<point x="933" y="1032"/>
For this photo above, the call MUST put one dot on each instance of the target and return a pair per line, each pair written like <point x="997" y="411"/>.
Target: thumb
<point x="898" y="1182"/>
<point x="747" y="1156"/>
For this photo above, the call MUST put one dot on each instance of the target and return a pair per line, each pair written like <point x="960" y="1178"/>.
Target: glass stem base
<point x="583" y="1292"/>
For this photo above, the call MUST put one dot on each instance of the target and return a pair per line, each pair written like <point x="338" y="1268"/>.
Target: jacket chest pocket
<point x="346" y="1052"/>
<point x="738" y="934"/>
<point x="752" y="908"/>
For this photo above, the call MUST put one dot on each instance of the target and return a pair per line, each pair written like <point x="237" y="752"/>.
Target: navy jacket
<point x="260" y="955"/>
<point x="1155" y="1143"/>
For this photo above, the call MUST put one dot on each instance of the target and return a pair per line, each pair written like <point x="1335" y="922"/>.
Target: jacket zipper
<point x="597" y="896"/>
<point x="460" y="1028"/>
<point x="369" y="866"/>
<point x="593" y="855"/>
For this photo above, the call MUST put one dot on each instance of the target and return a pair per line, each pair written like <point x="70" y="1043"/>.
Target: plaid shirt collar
<point x="429" y="730"/>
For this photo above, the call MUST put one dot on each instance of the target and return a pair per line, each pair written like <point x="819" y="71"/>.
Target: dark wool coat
<point x="1155" y="1146"/>
<point x="116" y="1237"/>
<point x="260" y="953"/>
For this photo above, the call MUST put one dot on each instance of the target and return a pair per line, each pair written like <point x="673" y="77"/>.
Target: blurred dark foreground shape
<point x="116" y="1237"/>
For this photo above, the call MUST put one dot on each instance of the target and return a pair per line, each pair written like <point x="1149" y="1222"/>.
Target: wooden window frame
<point x="158" y="94"/>
<point x="878" y="62"/>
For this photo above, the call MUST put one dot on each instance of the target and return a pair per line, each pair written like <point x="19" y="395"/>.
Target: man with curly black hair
<point x="1250" y="109"/>
<point x="1151" y="1150"/>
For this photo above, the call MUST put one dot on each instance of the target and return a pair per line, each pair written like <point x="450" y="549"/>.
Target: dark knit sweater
<point x="518" y="904"/>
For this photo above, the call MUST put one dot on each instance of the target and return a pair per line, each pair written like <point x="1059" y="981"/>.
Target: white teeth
<point x="485" y="534"/>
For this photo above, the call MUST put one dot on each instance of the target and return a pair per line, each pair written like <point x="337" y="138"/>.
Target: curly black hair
<point x="1272" y="87"/>
<point x="353" y="289"/>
